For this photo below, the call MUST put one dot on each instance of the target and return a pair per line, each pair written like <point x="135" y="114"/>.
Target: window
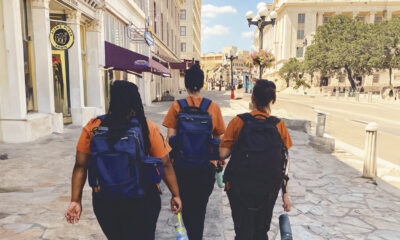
<point x="300" y="34"/>
<point x="299" y="52"/>
<point x="376" y="78"/>
<point x="183" y="14"/>
<point x="342" y="78"/>
<point x="183" y="30"/>
<point x="162" y="27"/>
<point x="300" y="26"/>
<point x="301" y="18"/>
<point x="361" y="18"/>
<point x="155" y="17"/>
<point x="326" y="19"/>
<point x="378" y="18"/>
<point x="183" y="47"/>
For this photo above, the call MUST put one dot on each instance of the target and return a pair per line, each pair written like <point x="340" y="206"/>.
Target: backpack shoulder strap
<point x="245" y="116"/>
<point x="205" y="104"/>
<point x="274" y="120"/>
<point x="183" y="103"/>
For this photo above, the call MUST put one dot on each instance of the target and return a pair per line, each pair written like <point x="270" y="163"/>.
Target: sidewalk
<point x="330" y="199"/>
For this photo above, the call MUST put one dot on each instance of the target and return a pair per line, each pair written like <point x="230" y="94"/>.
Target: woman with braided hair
<point x="124" y="218"/>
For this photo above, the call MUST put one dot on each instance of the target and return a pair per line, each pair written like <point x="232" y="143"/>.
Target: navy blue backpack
<point x="122" y="170"/>
<point x="193" y="146"/>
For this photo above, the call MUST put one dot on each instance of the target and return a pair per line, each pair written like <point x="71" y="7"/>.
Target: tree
<point x="386" y="48"/>
<point x="291" y="70"/>
<point x="340" y="45"/>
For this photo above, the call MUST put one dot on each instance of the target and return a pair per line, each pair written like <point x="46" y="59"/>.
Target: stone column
<point x="95" y="89"/>
<point x="320" y="18"/>
<point x="12" y="79"/>
<point x="75" y="70"/>
<point x="43" y="55"/>
<point x="147" y="76"/>
<point x="372" y="17"/>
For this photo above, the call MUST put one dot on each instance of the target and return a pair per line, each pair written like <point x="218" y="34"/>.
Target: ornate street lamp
<point x="261" y="21"/>
<point x="232" y="57"/>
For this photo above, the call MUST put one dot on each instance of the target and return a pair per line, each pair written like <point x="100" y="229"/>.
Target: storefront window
<point x="30" y="85"/>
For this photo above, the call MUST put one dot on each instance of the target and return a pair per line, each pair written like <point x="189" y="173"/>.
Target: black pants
<point x="251" y="214"/>
<point x="128" y="219"/>
<point x="195" y="188"/>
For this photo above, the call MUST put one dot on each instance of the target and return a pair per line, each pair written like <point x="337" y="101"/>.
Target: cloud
<point x="212" y="11"/>
<point x="248" y="34"/>
<point x="216" y="30"/>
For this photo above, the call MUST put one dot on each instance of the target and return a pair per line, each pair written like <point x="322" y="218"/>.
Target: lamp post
<point x="232" y="57"/>
<point x="261" y="21"/>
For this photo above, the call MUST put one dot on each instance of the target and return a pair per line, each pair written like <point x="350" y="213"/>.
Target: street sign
<point x="148" y="37"/>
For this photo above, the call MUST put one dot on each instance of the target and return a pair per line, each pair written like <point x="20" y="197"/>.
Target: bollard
<point x="320" y="127"/>
<point x="357" y="96"/>
<point x="369" y="97"/>
<point x="370" y="168"/>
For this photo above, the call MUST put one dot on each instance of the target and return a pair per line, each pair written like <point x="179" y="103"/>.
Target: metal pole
<point x="370" y="166"/>
<point x="261" y="47"/>
<point x="232" y="72"/>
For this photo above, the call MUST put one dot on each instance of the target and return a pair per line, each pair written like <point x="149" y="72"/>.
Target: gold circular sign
<point x="61" y="37"/>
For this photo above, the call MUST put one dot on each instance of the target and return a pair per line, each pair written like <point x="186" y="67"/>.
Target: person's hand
<point x="73" y="212"/>
<point x="287" y="204"/>
<point x="176" y="205"/>
<point x="221" y="163"/>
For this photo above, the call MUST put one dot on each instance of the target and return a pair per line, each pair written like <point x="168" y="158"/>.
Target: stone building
<point x="164" y="18"/>
<point x="49" y="55"/>
<point x="57" y="59"/>
<point x="297" y="22"/>
<point x="217" y="68"/>
<point x="190" y="30"/>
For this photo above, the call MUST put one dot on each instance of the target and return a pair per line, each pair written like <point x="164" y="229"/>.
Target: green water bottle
<point x="219" y="176"/>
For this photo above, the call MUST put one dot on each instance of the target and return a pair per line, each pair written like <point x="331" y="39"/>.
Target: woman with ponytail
<point x="130" y="218"/>
<point x="257" y="144"/>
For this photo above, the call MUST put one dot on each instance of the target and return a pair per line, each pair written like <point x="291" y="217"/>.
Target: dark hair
<point x="194" y="78"/>
<point x="125" y="102"/>
<point x="264" y="92"/>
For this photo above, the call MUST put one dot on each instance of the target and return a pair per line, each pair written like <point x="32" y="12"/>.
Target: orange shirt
<point x="171" y="119"/>
<point x="159" y="148"/>
<point x="236" y="124"/>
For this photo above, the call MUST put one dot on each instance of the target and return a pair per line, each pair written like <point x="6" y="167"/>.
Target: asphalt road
<point x="346" y="120"/>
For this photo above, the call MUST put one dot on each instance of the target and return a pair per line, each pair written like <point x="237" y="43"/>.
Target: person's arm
<point x="79" y="175"/>
<point x="171" y="132"/>
<point x="170" y="179"/>
<point x="224" y="153"/>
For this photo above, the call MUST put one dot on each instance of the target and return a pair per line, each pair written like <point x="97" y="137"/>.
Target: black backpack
<point x="258" y="160"/>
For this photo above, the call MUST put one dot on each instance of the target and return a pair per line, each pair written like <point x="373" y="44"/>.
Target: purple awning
<point x="124" y="59"/>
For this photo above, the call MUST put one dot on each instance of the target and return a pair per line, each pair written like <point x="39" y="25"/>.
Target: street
<point x="346" y="120"/>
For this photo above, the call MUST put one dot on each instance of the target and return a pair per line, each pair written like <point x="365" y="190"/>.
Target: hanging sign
<point x="148" y="37"/>
<point x="61" y="37"/>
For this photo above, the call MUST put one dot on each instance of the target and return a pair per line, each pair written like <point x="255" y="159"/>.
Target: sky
<point x="223" y="23"/>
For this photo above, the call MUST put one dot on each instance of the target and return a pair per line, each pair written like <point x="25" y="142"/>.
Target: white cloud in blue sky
<point x="224" y="24"/>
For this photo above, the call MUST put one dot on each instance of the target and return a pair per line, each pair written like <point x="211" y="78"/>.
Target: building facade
<point x="53" y="60"/>
<point x="50" y="55"/>
<point x="217" y="69"/>
<point x="297" y="22"/>
<point x="165" y="24"/>
<point x="190" y="30"/>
